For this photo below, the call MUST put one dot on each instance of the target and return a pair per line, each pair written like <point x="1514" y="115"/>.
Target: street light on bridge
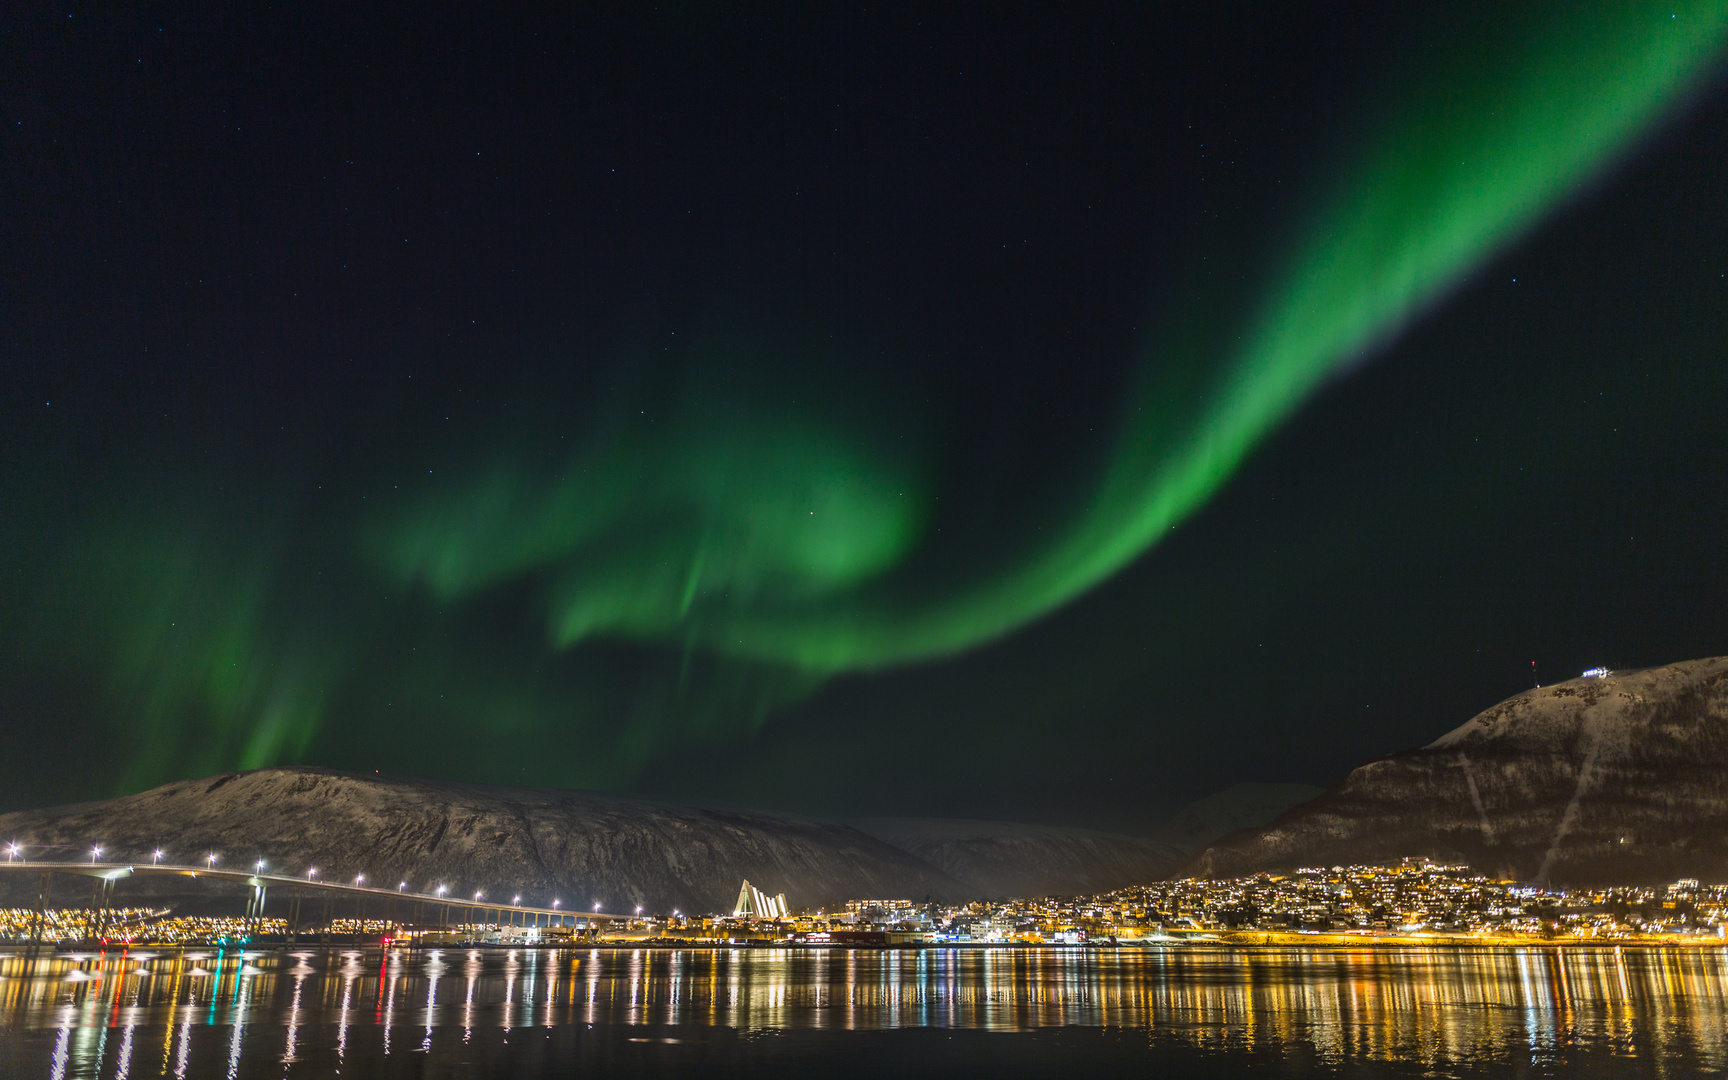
<point x="358" y="878"/>
<point x="310" y="870"/>
<point x="440" y="890"/>
<point x="210" y="859"/>
<point x="11" y="852"/>
<point x="400" y="885"/>
<point x="95" y="851"/>
<point x="260" y="866"/>
<point x="156" y="857"/>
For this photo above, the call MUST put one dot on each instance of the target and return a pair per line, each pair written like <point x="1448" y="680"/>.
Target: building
<point x="753" y="903"/>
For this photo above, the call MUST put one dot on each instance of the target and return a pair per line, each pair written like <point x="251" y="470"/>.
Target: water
<point x="991" y="1012"/>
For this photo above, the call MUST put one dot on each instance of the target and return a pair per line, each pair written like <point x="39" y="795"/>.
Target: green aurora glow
<point x="762" y="549"/>
<point x="778" y="543"/>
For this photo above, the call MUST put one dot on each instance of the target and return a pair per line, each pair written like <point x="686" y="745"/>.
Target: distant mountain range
<point x="584" y="847"/>
<point x="1005" y="859"/>
<point x="1616" y="778"/>
<point x="580" y="848"/>
<point x="1239" y="806"/>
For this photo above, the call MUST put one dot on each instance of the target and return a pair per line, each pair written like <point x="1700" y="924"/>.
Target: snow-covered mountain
<point x="577" y="847"/>
<point x="544" y="844"/>
<point x="1615" y="778"/>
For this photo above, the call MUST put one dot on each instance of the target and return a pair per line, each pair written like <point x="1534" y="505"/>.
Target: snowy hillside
<point x="578" y="847"/>
<point x="1614" y="778"/>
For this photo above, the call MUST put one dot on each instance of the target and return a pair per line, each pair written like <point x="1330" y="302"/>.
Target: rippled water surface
<point x="995" y="1012"/>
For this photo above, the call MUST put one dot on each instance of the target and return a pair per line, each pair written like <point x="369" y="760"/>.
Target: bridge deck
<point x="116" y="871"/>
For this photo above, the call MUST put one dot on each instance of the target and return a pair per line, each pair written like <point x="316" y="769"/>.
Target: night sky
<point x="1049" y="414"/>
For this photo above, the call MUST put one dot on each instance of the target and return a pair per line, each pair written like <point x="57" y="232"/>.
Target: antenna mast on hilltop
<point x="1533" y="675"/>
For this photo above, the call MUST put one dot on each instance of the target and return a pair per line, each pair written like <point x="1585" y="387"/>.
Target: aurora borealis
<point x="756" y="539"/>
<point x="385" y="434"/>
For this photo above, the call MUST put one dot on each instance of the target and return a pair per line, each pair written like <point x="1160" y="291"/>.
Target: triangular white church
<point x="753" y="903"/>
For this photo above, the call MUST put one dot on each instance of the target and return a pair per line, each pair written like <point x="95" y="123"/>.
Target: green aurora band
<point x="763" y="550"/>
<point x="778" y="544"/>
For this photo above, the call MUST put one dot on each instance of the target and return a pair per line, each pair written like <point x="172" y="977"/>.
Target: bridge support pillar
<point x="254" y="921"/>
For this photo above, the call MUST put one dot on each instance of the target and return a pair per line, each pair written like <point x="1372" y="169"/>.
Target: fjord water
<point x="1180" y="1011"/>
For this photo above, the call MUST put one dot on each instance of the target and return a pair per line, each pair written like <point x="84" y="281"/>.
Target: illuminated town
<point x="1417" y="901"/>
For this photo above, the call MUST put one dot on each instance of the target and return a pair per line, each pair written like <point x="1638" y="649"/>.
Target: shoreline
<point x="1234" y="942"/>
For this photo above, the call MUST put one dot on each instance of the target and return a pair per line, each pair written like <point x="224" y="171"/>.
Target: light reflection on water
<point x="309" y="1012"/>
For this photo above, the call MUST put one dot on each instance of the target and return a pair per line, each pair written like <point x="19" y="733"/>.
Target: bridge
<point x="395" y="905"/>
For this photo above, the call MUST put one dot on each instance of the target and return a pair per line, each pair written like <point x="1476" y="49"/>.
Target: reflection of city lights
<point x="1349" y="1004"/>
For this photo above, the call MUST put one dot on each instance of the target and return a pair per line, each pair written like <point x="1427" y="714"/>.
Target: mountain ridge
<point x="545" y="843"/>
<point x="577" y="846"/>
<point x="1620" y="778"/>
<point x="1012" y="859"/>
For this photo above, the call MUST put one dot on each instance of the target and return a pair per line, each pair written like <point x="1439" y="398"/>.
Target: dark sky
<point x="1047" y="414"/>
